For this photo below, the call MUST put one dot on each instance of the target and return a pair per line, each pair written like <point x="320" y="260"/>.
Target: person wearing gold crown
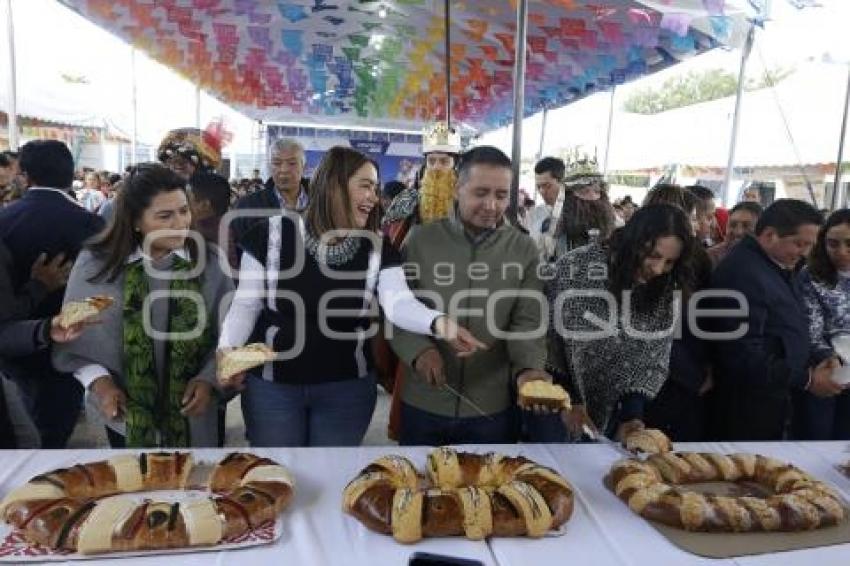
<point x="587" y="214"/>
<point x="432" y="195"/>
<point x="430" y="198"/>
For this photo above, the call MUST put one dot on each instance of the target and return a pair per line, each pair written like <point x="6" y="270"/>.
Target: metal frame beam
<point x="730" y="164"/>
<point x="519" y="102"/>
<point x="12" y="77"/>
<point x="839" y="198"/>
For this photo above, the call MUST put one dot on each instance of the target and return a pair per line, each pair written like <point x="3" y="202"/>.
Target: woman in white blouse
<point x="306" y="290"/>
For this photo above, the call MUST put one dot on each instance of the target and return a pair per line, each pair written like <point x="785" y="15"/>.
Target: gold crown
<point x="580" y="163"/>
<point x="440" y="138"/>
<point x="581" y="170"/>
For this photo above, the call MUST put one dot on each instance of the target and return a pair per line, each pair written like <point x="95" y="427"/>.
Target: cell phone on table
<point x="427" y="559"/>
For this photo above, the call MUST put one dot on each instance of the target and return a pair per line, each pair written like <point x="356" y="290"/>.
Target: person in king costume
<point x="430" y="198"/>
<point x="432" y="195"/>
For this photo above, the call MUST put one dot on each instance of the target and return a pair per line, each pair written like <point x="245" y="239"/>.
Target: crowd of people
<point x="675" y="314"/>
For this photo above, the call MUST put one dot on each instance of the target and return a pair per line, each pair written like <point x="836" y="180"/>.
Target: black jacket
<point x="44" y="222"/>
<point x="18" y="337"/>
<point x="48" y="222"/>
<point x="265" y="199"/>
<point x="16" y="304"/>
<point x="756" y="373"/>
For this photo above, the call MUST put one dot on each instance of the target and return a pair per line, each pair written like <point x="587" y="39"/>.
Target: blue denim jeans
<point x="420" y="427"/>
<point x="326" y="414"/>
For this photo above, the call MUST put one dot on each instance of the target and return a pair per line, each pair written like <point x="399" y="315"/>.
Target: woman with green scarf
<point x="149" y="365"/>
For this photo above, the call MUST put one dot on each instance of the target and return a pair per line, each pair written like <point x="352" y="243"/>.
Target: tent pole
<point x="103" y="152"/>
<point x="260" y="147"/>
<point x="838" y="197"/>
<point x="730" y="164"/>
<point x="134" y="141"/>
<point x="198" y="106"/>
<point x="448" y="21"/>
<point x="542" y="134"/>
<point x="610" y="129"/>
<point x="13" y="87"/>
<point x="519" y="103"/>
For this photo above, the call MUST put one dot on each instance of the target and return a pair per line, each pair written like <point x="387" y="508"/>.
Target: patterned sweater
<point x="828" y="310"/>
<point x="603" y="365"/>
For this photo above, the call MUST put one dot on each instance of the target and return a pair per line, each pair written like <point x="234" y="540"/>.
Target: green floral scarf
<point x="153" y="409"/>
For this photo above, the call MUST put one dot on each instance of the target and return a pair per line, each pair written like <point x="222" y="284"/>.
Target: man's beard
<point x="436" y="194"/>
<point x="579" y="215"/>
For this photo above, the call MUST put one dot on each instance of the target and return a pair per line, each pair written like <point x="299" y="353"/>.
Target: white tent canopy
<point x="811" y="98"/>
<point x="698" y="135"/>
<point x="50" y="97"/>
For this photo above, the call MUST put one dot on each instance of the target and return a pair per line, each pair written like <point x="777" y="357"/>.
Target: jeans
<point x="420" y="427"/>
<point x="326" y="414"/>
<point x="543" y="428"/>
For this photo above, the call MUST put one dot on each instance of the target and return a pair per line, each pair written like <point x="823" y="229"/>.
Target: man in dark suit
<point x="760" y="371"/>
<point x="286" y="189"/>
<point x="21" y="336"/>
<point x="46" y="222"/>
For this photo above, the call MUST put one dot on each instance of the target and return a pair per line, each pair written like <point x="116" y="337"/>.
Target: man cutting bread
<point x="491" y="286"/>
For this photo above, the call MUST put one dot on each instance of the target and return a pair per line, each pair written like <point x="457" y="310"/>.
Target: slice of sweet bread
<point x="543" y="393"/>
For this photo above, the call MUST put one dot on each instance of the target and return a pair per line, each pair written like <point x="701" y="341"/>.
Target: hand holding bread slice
<point x="545" y="394"/>
<point x="86" y="310"/>
<point x="236" y="361"/>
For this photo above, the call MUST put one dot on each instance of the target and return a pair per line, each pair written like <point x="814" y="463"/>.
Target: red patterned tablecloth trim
<point x="14" y="544"/>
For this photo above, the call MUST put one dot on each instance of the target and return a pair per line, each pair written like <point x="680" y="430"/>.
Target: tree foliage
<point x="695" y="87"/>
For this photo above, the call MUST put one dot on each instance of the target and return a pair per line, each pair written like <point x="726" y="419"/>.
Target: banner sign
<point x="370" y="147"/>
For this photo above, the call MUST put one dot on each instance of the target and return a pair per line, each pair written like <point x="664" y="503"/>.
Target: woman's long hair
<point x="579" y="215"/>
<point x="329" y="191"/>
<point x="667" y="193"/>
<point x="820" y="266"/>
<point x="115" y="244"/>
<point x="630" y="245"/>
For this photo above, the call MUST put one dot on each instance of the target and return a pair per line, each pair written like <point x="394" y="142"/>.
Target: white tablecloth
<point x="602" y="530"/>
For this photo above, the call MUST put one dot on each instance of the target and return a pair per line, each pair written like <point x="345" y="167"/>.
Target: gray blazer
<point x="103" y="343"/>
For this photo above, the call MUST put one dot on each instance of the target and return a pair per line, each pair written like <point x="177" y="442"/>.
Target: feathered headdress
<point x="203" y="148"/>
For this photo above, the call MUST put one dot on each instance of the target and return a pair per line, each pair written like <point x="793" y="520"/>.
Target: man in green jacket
<point x="484" y="273"/>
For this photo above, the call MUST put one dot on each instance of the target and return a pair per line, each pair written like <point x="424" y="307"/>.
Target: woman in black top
<point x="306" y="289"/>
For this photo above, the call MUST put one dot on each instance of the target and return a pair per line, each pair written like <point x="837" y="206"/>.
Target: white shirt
<point x="400" y="305"/>
<point x="537" y="216"/>
<point x="90" y="199"/>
